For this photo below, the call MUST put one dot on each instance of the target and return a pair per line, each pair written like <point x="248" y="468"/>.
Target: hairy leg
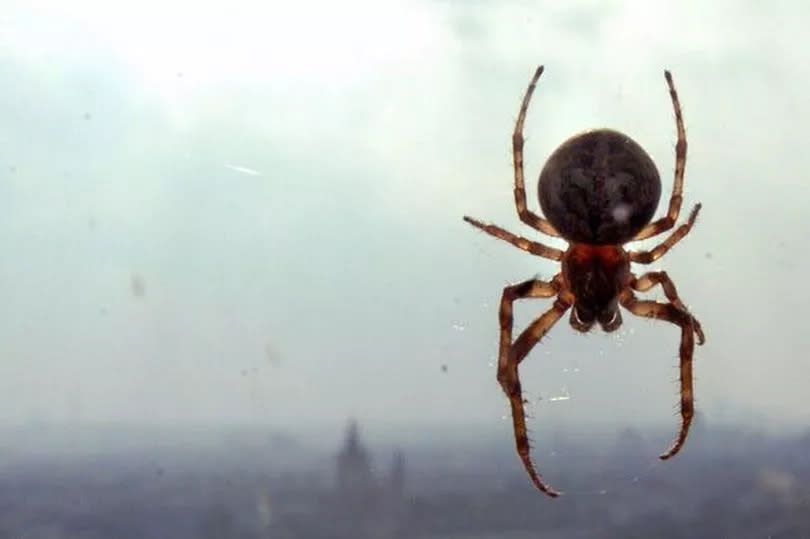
<point x="525" y="214"/>
<point x="521" y="243"/>
<point x="648" y="257"/>
<point x="648" y="280"/>
<point x="675" y="315"/>
<point x="511" y="354"/>
<point x="676" y="199"/>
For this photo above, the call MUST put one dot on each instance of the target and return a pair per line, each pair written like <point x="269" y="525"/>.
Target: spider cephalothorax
<point x="598" y="190"/>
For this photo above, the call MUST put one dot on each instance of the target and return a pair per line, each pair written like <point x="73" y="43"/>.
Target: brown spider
<point x="599" y="190"/>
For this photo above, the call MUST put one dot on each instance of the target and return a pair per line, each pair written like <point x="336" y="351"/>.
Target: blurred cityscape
<point x="726" y="483"/>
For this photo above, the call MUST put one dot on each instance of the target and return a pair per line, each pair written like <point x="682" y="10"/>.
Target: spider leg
<point x="511" y="354"/>
<point x="676" y="199"/>
<point x="649" y="280"/>
<point x="648" y="257"/>
<point x="521" y="243"/>
<point x="525" y="214"/>
<point x="674" y="314"/>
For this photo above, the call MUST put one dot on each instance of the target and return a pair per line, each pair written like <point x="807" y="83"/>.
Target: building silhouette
<point x="368" y="505"/>
<point x="361" y="503"/>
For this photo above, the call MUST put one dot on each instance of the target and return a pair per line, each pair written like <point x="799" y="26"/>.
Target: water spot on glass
<point x="271" y="355"/>
<point x="621" y="212"/>
<point x="564" y="395"/>
<point x="459" y="326"/>
<point x="138" y="286"/>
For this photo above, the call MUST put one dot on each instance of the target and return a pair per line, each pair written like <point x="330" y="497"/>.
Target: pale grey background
<point x="251" y="213"/>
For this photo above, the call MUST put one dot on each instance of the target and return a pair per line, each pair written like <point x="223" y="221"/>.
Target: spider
<point x="598" y="190"/>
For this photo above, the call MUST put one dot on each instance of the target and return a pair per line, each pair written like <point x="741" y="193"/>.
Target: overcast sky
<point x="252" y="212"/>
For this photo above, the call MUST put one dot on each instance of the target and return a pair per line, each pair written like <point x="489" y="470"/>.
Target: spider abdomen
<point x="599" y="187"/>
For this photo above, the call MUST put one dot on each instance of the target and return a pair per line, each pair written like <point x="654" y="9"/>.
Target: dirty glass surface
<point x="240" y="300"/>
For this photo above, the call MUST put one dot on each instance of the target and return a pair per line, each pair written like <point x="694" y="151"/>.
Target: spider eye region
<point x="599" y="187"/>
